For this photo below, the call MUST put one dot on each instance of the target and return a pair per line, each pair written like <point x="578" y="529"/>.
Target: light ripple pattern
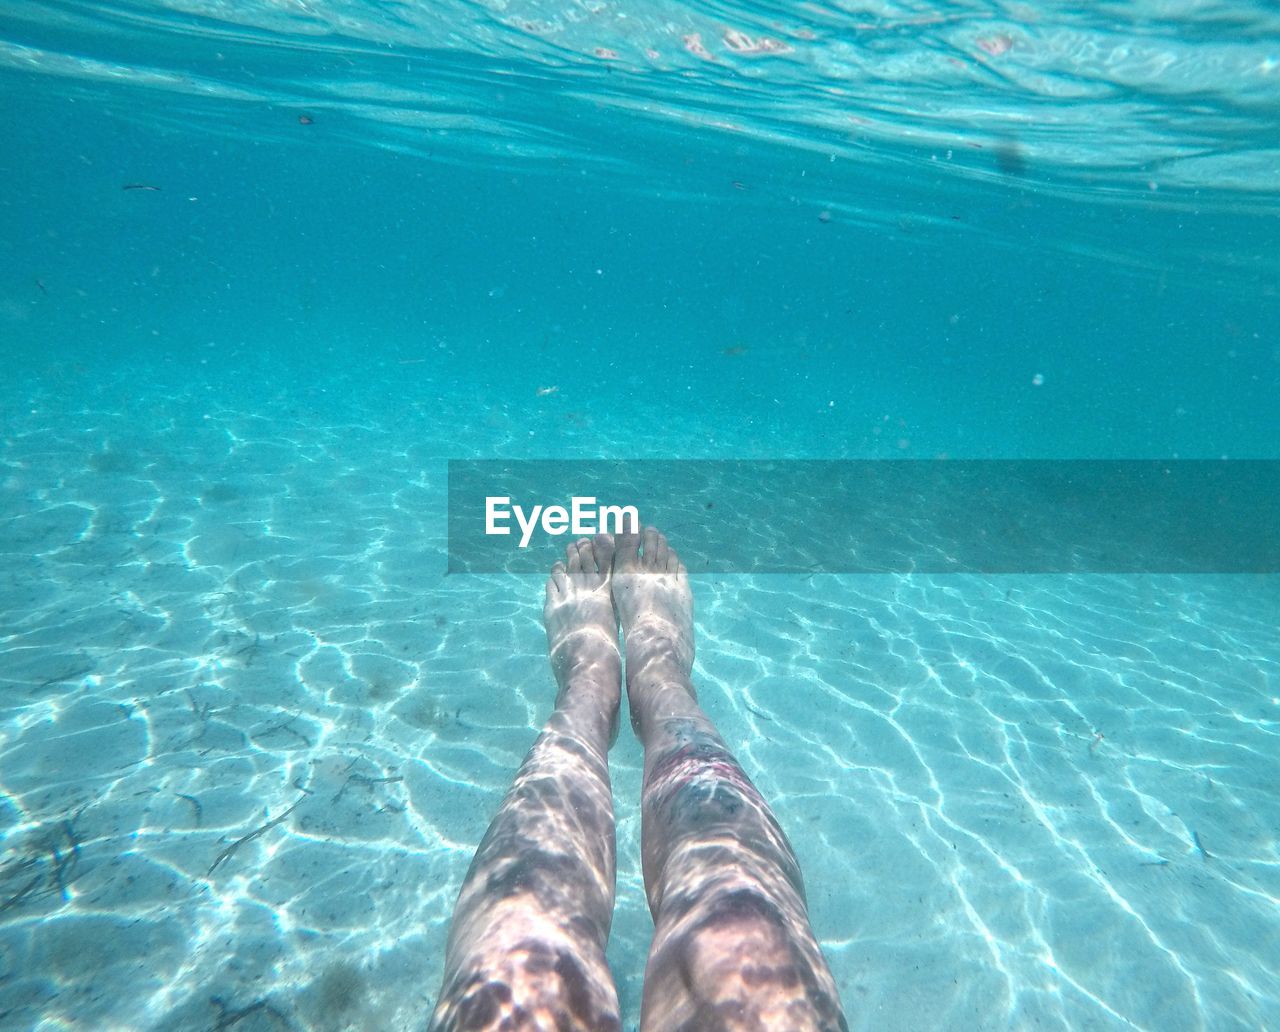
<point x="252" y="737"/>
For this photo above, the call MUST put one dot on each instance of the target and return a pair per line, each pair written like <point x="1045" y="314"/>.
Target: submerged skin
<point x="732" y="946"/>
<point x="526" y="946"/>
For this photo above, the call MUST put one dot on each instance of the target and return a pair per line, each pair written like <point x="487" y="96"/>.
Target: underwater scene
<point x="270" y="269"/>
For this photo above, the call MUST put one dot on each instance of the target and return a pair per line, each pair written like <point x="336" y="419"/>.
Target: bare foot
<point x="652" y="596"/>
<point x="582" y="630"/>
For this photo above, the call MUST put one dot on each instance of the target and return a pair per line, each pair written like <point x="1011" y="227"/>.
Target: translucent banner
<point x="943" y="516"/>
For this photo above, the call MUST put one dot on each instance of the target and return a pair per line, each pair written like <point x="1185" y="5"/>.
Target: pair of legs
<point x="732" y="945"/>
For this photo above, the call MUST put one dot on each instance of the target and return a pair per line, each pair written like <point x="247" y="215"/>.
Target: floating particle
<point x="544" y="391"/>
<point x="1009" y="158"/>
<point x="1037" y="380"/>
<point x="306" y="120"/>
<point x="824" y="215"/>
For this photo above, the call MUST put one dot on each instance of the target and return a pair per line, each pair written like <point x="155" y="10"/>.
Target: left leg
<point x="526" y="947"/>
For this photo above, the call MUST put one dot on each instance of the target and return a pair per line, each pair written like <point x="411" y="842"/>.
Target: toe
<point x="573" y="558"/>
<point x="602" y="546"/>
<point x="661" y="554"/>
<point x="625" y="552"/>
<point x="586" y="556"/>
<point x="557" y="582"/>
<point x="650" y="543"/>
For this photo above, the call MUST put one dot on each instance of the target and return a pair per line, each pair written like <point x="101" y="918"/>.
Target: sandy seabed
<point x="251" y="735"/>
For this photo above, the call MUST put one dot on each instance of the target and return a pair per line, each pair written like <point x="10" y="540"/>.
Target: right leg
<point x="732" y="946"/>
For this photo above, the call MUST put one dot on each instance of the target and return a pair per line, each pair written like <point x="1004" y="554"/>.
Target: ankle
<point x="655" y="668"/>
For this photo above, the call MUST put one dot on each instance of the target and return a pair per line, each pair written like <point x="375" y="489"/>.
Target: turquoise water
<point x="384" y="236"/>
